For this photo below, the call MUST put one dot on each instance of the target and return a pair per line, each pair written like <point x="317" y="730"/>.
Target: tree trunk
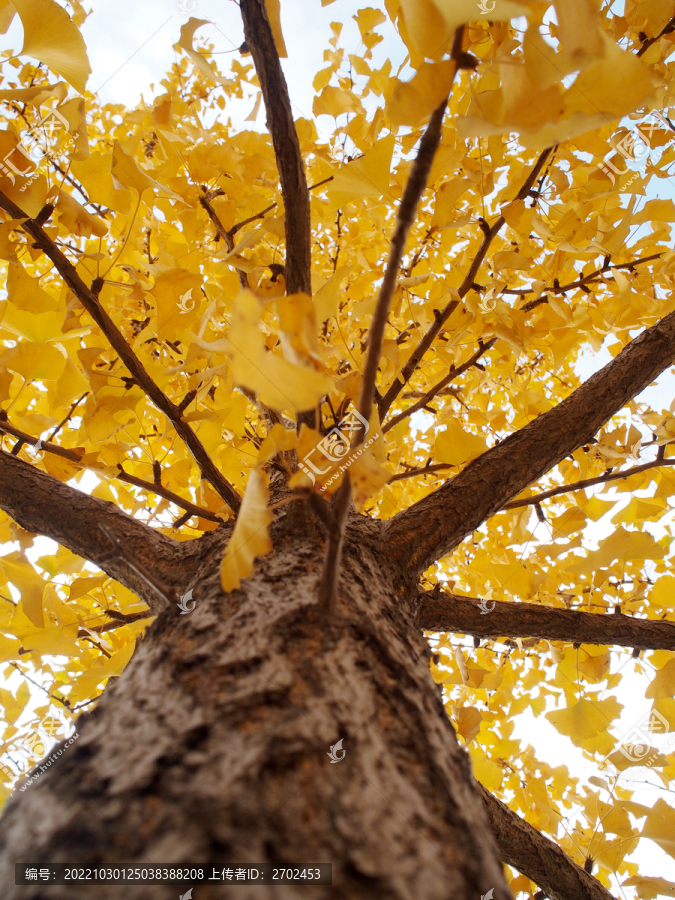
<point x="213" y="746"/>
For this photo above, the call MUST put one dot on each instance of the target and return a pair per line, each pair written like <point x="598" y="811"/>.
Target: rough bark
<point x="213" y="745"/>
<point x="436" y="524"/>
<point x="439" y="611"/>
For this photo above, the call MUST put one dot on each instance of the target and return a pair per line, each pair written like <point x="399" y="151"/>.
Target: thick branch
<point x="539" y="858"/>
<point x="91" y="303"/>
<point x="438" y="611"/>
<point x="442" y="316"/>
<point x="436" y="524"/>
<point x="260" y="41"/>
<point x="44" y="505"/>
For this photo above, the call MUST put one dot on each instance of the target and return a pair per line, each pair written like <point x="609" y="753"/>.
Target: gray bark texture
<point x="213" y="744"/>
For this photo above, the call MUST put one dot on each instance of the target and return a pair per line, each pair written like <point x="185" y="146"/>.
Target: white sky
<point x="131" y="45"/>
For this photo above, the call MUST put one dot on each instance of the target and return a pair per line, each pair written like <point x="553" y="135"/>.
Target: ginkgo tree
<point x="303" y="416"/>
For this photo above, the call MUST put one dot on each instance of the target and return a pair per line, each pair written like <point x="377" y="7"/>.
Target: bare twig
<point x="89" y="300"/>
<point x="226" y="235"/>
<point x="444" y="382"/>
<point x="587" y="279"/>
<point x="588" y="482"/>
<point x="443" y="315"/>
<point x="76" y="457"/>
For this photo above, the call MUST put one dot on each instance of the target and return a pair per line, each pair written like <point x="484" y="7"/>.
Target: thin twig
<point x="437" y="388"/>
<point x="90" y="301"/>
<point x="587" y="279"/>
<point x="442" y="316"/>
<point x="75" y="456"/>
<point x="588" y="482"/>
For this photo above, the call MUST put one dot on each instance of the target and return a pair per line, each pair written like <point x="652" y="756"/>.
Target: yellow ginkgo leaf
<point x="333" y="101"/>
<point x="326" y="299"/>
<point x="95" y="173"/>
<point x="278" y="440"/>
<point x="366" y="474"/>
<point x="50" y="36"/>
<point x="44" y="326"/>
<point x="414" y="101"/>
<point x="660" y="826"/>
<point x="187" y="33"/>
<point x="76" y="115"/>
<point x="647" y="888"/>
<point x="663" y="683"/>
<point x="456" y="446"/>
<point x="7" y="12"/>
<point x="621" y="544"/>
<point x="578" y="30"/>
<point x="431" y="23"/>
<point x="29" y="584"/>
<point x="25" y="292"/>
<point x="126" y="173"/>
<point x="36" y="95"/>
<point x="468" y="719"/>
<point x="278" y="383"/>
<point x="250" y="537"/>
<point x="177" y="294"/>
<point x="33" y="360"/>
<point x="585" y="719"/>
<point x="365" y="177"/>
<point x="78" y="220"/>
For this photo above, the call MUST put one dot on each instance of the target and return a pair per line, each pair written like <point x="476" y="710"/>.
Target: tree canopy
<point x="191" y="305"/>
